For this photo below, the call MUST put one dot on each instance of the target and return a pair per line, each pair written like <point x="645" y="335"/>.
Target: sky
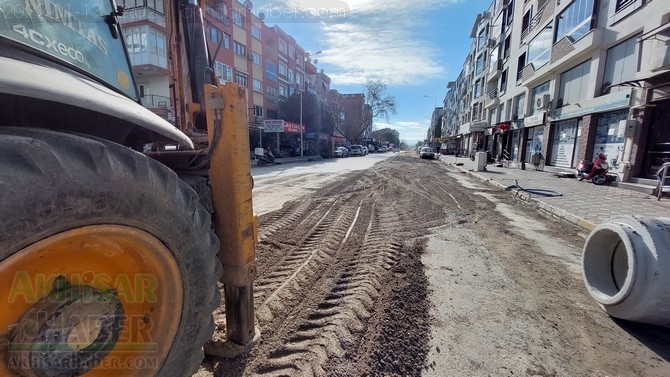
<point x="415" y="48"/>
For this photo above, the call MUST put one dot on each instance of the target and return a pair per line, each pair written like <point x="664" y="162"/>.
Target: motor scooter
<point x="267" y="158"/>
<point x="596" y="171"/>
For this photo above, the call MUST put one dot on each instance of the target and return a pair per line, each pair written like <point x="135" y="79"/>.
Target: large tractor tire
<point x="107" y="261"/>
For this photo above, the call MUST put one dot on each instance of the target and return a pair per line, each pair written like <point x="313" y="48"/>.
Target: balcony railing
<point x="493" y="93"/>
<point x="152" y="101"/>
<point x="219" y="16"/>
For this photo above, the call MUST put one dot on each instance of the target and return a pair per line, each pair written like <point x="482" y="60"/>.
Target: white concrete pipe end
<point x="626" y="268"/>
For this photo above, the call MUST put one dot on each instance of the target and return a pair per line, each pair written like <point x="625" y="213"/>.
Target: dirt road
<point x="410" y="269"/>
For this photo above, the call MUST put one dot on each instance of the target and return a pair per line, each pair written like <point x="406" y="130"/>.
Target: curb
<point x="555" y="211"/>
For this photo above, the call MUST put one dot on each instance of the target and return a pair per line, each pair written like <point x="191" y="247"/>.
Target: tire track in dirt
<point x="328" y="325"/>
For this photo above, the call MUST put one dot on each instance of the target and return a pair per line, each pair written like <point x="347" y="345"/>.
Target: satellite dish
<point x="261" y="16"/>
<point x="316" y="61"/>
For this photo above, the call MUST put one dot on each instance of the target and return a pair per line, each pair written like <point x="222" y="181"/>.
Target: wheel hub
<point x="67" y="333"/>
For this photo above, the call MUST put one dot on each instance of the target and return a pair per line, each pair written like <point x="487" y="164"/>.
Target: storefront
<point x="605" y="113"/>
<point x="563" y="143"/>
<point x="534" y="135"/>
<point x="658" y="144"/>
<point x="609" y="138"/>
<point x="283" y="136"/>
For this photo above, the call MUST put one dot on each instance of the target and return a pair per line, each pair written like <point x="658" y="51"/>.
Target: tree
<point x="378" y="104"/>
<point x="315" y="115"/>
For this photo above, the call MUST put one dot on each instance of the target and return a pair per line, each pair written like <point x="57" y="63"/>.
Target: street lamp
<point x="306" y="58"/>
<point x="434" y="99"/>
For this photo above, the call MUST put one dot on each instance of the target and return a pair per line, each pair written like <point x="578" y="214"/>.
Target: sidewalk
<point x="582" y="203"/>
<point x="290" y="160"/>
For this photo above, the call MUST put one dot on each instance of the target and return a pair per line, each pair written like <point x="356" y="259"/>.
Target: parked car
<point x="357" y="150"/>
<point x="428" y="153"/>
<point x="381" y="149"/>
<point x="341" y="152"/>
<point x="365" y="151"/>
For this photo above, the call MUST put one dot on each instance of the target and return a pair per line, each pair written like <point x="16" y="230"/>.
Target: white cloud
<point x="376" y="39"/>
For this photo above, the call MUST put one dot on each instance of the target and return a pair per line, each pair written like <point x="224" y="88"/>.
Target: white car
<point x="427" y="152"/>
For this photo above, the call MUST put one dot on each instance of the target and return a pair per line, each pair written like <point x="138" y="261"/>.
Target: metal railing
<point x="219" y="16"/>
<point x="153" y="101"/>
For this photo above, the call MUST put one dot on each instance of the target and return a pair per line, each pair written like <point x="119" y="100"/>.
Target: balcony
<point x="494" y="70"/>
<point x="217" y="15"/>
<point x="159" y="105"/>
<point x="142" y="14"/>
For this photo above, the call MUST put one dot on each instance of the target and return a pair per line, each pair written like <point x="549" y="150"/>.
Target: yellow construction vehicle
<point x="115" y="225"/>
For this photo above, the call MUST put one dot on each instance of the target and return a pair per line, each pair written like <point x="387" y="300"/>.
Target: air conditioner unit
<point x="250" y="56"/>
<point x="543" y="101"/>
<point x="258" y="119"/>
<point x="491" y="43"/>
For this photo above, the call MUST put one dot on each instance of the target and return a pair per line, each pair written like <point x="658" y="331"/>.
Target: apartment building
<point x="569" y="79"/>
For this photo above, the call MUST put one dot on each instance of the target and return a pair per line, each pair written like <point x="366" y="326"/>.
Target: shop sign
<point x="293" y="127"/>
<point x="273" y="125"/>
<point x="478" y="127"/>
<point x="534" y="120"/>
<point x="596" y="105"/>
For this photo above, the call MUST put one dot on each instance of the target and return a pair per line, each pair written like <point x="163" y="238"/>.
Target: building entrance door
<point x="658" y="143"/>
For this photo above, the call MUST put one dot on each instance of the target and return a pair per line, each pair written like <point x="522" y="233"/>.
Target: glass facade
<point x="575" y="21"/>
<point x="622" y="64"/>
<point x="574" y="84"/>
<point x="540" y="47"/>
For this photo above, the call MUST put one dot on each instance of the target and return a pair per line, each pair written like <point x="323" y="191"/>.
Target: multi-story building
<point x="568" y="79"/>
<point x="357" y="122"/>
<point x="145" y="30"/>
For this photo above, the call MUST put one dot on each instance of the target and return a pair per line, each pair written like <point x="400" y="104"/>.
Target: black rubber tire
<point x="599" y="179"/>
<point x="51" y="182"/>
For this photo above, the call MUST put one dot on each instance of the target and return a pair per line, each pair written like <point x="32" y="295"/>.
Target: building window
<point x="291" y="51"/>
<point x="622" y="64"/>
<point x="525" y="22"/>
<point x="156" y="5"/>
<point x="575" y="21"/>
<point x="216" y="35"/>
<point x="258" y="111"/>
<point x="480" y="64"/>
<point x="238" y="18"/>
<point x="218" y="10"/>
<point x="482" y="40"/>
<point x="298" y="79"/>
<point x="283" y="92"/>
<point x="256" y="58"/>
<point x="291" y="76"/>
<point x="271" y="70"/>
<point x="622" y="4"/>
<point x="146" y="45"/>
<point x="257" y="85"/>
<point x="478" y="88"/>
<point x="503" y="82"/>
<point x="256" y="32"/>
<point x="282" y="46"/>
<point x="241" y="78"/>
<point x="574" y="85"/>
<point x="519" y="107"/>
<point x="271" y="91"/>
<point x="223" y="72"/>
<point x="240" y="49"/>
<point x="539" y="48"/>
<point x="282" y="69"/>
<point x="507" y="47"/>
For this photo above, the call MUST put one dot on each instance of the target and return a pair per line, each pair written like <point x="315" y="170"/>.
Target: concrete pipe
<point x="626" y="268"/>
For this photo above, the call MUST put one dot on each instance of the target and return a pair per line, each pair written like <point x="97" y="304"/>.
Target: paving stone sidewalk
<point x="581" y="203"/>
